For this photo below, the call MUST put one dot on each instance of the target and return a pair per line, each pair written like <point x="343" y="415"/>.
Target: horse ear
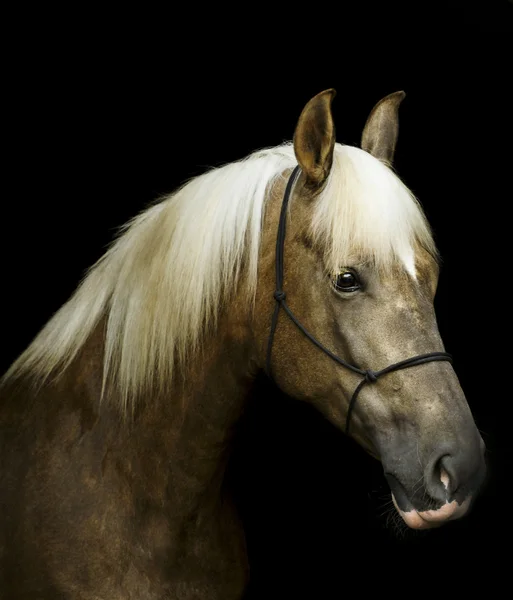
<point x="380" y="133"/>
<point x="314" y="138"/>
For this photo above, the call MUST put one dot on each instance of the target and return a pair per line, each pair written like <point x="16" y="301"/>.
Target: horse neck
<point x="176" y="448"/>
<point x="213" y="393"/>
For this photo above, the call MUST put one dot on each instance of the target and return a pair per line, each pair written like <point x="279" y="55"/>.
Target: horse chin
<point x="428" y="519"/>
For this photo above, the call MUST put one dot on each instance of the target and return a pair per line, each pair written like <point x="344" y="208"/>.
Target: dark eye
<point x="346" y="281"/>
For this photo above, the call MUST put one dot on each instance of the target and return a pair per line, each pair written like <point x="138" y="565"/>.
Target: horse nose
<point x="455" y="472"/>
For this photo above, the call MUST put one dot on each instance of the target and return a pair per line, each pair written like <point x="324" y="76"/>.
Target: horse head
<point x="356" y="275"/>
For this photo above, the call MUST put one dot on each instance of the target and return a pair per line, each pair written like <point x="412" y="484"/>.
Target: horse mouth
<point x="434" y="513"/>
<point x="428" y="519"/>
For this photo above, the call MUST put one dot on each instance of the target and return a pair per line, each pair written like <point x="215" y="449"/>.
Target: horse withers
<point x="116" y="423"/>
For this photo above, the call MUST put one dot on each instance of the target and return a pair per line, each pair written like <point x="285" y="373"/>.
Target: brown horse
<point x="117" y="422"/>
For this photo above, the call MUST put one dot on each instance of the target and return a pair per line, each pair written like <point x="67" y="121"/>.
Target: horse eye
<point x="346" y="281"/>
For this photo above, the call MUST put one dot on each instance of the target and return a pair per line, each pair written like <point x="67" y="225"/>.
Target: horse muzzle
<point x="440" y="492"/>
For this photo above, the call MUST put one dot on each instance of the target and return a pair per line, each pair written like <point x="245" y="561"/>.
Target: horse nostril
<point x="448" y="469"/>
<point x="439" y="478"/>
<point x="445" y="473"/>
<point x="457" y="473"/>
<point x="444" y="478"/>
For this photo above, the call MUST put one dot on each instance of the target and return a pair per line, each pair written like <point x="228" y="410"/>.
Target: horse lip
<point x="433" y="518"/>
<point x="424" y="519"/>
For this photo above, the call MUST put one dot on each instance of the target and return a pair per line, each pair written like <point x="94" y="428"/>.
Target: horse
<point x="311" y="262"/>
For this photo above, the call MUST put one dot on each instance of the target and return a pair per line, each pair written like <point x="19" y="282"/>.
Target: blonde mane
<point x="162" y="281"/>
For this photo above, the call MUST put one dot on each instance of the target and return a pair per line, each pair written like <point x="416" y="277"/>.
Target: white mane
<point x="162" y="281"/>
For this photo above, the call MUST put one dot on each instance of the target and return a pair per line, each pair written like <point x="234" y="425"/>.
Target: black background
<point x="106" y="112"/>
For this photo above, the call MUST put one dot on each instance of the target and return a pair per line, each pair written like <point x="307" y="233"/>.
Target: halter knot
<point x="279" y="296"/>
<point x="370" y="376"/>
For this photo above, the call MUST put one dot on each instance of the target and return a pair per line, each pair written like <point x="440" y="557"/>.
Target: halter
<point x="369" y="376"/>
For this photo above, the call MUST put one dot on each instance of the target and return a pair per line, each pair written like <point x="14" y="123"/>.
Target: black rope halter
<point x="369" y="376"/>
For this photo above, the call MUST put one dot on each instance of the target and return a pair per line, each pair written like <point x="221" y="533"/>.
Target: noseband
<point x="369" y="376"/>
